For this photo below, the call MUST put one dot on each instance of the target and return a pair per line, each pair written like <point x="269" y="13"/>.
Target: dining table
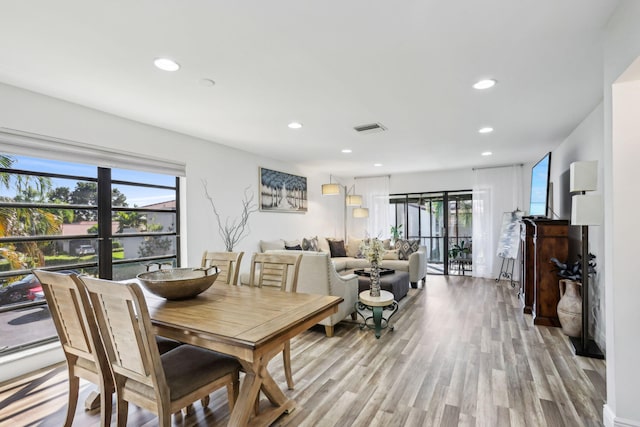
<point x="249" y="323"/>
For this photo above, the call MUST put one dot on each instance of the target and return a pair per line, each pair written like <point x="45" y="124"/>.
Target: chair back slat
<point x="228" y="264"/>
<point x="273" y="270"/>
<point x="76" y="325"/>
<point x="122" y="315"/>
<point x="65" y="301"/>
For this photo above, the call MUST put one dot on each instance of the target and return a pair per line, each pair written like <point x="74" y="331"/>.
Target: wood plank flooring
<point x="462" y="354"/>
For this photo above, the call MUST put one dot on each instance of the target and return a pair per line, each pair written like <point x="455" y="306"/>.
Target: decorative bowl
<point x="178" y="283"/>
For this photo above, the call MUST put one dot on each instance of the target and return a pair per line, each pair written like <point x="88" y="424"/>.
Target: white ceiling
<point x="331" y="65"/>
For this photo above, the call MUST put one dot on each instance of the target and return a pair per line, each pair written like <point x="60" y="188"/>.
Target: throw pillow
<point x="310" y="244"/>
<point x="353" y="247"/>
<point x="292" y="243"/>
<point x="271" y="245"/>
<point x="386" y="243"/>
<point x="391" y="254"/>
<point x="293" y="248"/>
<point x="406" y="248"/>
<point x="336" y="247"/>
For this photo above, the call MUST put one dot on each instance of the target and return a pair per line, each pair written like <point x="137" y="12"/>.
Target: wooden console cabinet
<point x="542" y="239"/>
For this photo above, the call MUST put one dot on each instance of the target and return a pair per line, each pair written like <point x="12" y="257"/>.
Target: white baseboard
<point x="610" y="419"/>
<point x="20" y="363"/>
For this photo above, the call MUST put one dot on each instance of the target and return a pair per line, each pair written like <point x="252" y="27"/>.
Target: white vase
<point x="570" y="307"/>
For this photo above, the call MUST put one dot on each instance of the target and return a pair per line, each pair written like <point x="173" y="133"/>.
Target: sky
<point x="136" y="196"/>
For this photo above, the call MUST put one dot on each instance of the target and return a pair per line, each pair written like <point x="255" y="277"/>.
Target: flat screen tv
<point x="539" y="201"/>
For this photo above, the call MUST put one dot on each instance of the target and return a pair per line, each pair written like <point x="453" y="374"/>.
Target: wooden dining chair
<point x="228" y="264"/>
<point x="273" y="270"/>
<point x="161" y="384"/>
<point x="79" y="338"/>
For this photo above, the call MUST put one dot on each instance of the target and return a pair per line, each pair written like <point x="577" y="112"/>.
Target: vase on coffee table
<point x="375" y="280"/>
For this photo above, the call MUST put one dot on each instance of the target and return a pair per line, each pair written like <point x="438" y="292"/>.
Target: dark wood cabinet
<point x="542" y="239"/>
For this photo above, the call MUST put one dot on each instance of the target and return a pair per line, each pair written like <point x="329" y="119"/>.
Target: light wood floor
<point x="462" y="353"/>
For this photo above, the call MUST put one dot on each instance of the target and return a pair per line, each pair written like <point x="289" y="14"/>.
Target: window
<point x="67" y="216"/>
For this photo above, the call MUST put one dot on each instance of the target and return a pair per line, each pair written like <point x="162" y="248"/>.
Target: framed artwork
<point x="282" y="192"/>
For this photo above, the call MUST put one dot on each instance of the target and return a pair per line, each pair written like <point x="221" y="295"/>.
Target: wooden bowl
<point x="178" y="283"/>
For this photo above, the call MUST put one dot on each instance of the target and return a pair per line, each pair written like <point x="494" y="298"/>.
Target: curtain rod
<point x="497" y="167"/>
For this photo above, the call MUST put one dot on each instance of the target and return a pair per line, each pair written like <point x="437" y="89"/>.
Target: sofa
<point x="415" y="264"/>
<point x="317" y="275"/>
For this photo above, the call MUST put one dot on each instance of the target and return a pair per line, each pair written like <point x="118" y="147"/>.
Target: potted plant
<point x="396" y="233"/>
<point x="459" y="250"/>
<point x="570" y="304"/>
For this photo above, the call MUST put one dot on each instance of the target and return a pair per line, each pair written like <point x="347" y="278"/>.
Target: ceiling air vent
<point x="371" y="128"/>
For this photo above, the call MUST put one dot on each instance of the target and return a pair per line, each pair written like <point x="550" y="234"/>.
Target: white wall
<point x="585" y="143"/>
<point x="623" y="372"/>
<point x="622" y="47"/>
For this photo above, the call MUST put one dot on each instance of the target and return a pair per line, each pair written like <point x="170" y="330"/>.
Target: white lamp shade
<point x="354" y="200"/>
<point x="583" y="176"/>
<point x="361" y="213"/>
<point x="330" y="189"/>
<point x="586" y="209"/>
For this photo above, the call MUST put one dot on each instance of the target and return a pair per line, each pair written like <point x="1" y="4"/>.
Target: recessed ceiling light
<point x="347" y="151"/>
<point x="294" y="125"/>
<point x="487" y="129"/>
<point x="484" y="84"/>
<point x="207" y="82"/>
<point x="487" y="153"/>
<point x="377" y="165"/>
<point x="166" y="64"/>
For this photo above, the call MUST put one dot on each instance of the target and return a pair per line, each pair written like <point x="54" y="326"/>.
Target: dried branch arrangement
<point x="232" y="232"/>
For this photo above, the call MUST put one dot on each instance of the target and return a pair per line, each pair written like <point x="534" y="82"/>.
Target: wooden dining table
<point x="248" y="323"/>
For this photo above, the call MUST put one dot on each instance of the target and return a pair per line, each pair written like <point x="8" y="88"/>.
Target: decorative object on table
<point x="586" y="210"/>
<point x="178" y="283"/>
<point x="570" y="304"/>
<point x="373" y="250"/>
<point x="233" y="232"/>
<point x="396" y="233"/>
<point x="282" y="192"/>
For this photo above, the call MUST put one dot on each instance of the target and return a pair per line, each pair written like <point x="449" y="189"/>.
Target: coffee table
<point x="372" y="310"/>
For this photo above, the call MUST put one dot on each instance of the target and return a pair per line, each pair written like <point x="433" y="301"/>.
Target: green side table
<point x="376" y="311"/>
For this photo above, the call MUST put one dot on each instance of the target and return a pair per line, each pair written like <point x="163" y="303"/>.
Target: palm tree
<point x="25" y="221"/>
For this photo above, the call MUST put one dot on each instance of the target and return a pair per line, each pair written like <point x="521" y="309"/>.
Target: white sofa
<point x="318" y="276"/>
<point x="416" y="265"/>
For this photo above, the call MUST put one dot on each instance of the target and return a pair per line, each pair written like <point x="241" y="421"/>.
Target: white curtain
<point x="495" y="191"/>
<point x="375" y="197"/>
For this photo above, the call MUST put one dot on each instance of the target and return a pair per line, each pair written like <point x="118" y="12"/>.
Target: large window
<point x="67" y="216"/>
<point x="443" y="231"/>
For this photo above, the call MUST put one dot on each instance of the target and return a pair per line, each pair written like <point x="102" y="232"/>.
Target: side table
<point x="372" y="310"/>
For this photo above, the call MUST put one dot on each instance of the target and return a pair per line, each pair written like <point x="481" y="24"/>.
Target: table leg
<point x="377" y="320"/>
<point x="258" y="379"/>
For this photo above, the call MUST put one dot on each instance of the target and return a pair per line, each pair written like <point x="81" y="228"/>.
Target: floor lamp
<point x="586" y="210"/>
<point x="333" y="189"/>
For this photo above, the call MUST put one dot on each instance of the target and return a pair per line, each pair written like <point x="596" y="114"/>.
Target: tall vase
<point x="570" y="307"/>
<point x="375" y="280"/>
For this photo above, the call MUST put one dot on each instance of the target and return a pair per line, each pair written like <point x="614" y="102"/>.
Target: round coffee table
<point x="372" y="310"/>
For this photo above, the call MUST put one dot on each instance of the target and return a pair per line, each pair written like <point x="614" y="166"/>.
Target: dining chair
<point x="228" y="264"/>
<point x="277" y="271"/>
<point x="161" y="384"/>
<point x="79" y="338"/>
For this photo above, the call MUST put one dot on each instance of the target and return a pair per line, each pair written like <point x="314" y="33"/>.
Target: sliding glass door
<point x="442" y="221"/>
